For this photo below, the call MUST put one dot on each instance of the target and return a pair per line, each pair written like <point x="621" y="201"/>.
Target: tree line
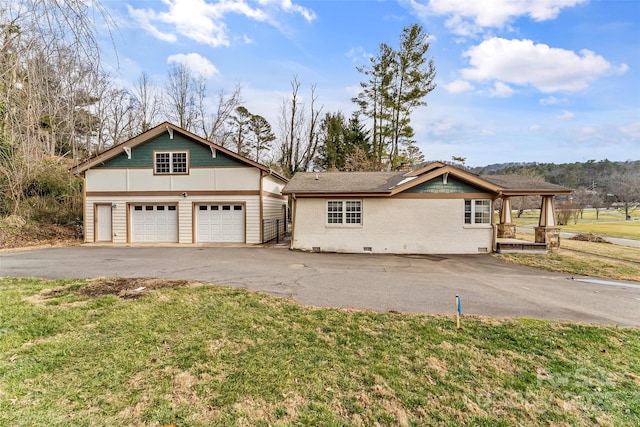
<point x="596" y="184"/>
<point x="58" y="106"/>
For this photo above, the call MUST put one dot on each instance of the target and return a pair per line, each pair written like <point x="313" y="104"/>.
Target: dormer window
<point x="171" y="162"/>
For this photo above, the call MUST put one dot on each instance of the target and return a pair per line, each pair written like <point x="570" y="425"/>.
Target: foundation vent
<point x="483" y="250"/>
<point x="316" y="249"/>
<point x="367" y="249"/>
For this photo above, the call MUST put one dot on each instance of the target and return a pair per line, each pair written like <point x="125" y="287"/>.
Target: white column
<point x="505" y="211"/>
<point x="547" y="212"/>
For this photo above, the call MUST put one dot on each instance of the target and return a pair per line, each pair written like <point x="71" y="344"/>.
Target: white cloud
<point x="522" y="62"/>
<point x="565" y="115"/>
<point x="143" y="18"/>
<point x="470" y="17"/>
<point x="632" y="129"/>
<point x="552" y="100"/>
<point x="195" y="62"/>
<point x="204" y="21"/>
<point x="501" y="90"/>
<point x="458" y="86"/>
<point x="358" y="55"/>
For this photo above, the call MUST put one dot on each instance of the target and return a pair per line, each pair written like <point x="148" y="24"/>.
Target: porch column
<point x="547" y="231"/>
<point x="506" y="228"/>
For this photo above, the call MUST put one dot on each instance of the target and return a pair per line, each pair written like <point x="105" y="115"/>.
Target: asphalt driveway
<point x="410" y="284"/>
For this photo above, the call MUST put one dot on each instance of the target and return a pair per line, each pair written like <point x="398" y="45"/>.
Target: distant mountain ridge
<point x="590" y="174"/>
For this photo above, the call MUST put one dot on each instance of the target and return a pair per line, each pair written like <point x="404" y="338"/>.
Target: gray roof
<point x="343" y="182"/>
<point x="522" y="183"/>
<point x="382" y="183"/>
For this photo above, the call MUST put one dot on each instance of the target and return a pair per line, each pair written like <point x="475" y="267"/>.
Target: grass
<point x="202" y="355"/>
<point x="609" y="223"/>
<point x="583" y="259"/>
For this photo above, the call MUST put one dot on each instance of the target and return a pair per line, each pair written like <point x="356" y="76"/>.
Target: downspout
<point x="293" y="219"/>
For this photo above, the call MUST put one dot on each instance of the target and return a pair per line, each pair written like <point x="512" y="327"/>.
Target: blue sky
<point x="518" y="80"/>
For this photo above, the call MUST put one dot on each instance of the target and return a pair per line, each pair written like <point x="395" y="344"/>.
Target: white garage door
<point x="222" y="223"/>
<point x="154" y="223"/>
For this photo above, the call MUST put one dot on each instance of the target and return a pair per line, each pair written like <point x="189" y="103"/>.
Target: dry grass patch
<point x="582" y="258"/>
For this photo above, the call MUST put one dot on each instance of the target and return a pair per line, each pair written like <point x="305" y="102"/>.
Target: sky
<point x="517" y="80"/>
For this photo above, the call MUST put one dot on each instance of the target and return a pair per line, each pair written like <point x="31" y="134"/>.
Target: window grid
<point x="344" y="212"/>
<point x="353" y="214"/>
<point x="477" y="211"/>
<point x="334" y="212"/>
<point x="171" y="162"/>
<point x="163" y="162"/>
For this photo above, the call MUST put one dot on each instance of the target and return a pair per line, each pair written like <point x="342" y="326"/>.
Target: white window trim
<point x="171" y="153"/>
<point x="473" y="224"/>
<point x="343" y="224"/>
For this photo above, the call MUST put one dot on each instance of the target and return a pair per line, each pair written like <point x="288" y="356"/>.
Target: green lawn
<point x="73" y="353"/>
<point x="610" y="222"/>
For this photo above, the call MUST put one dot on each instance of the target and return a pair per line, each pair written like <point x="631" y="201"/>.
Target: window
<point x="477" y="211"/>
<point x="344" y="212"/>
<point x="171" y="162"/>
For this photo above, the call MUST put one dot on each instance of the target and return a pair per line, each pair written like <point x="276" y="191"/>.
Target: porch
<point x="547" y="233"/>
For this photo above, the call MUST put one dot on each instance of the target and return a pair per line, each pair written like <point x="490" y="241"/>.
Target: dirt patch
<point x="18" y="234"/>
<point x="129" y="288"/>
<point x="589" y="237"/>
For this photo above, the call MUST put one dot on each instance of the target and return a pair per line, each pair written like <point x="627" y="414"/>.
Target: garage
<point x="220" y="223"/>
<point x="154" y="223"/>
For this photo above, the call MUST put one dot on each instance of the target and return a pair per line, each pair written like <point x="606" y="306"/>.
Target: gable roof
<point x="311" y="184"/>
<point x="154" y="133"/>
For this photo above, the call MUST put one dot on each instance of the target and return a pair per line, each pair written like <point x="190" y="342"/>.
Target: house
<point x="437" y="209"/>
<point x="169" y="185"/>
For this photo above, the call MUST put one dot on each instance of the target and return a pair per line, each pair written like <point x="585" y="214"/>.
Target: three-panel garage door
<point x="220" y="223"/>
<point x="154" y="223"/>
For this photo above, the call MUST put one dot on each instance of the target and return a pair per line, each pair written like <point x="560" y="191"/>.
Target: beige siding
<point x="185" y="215"/>
<point x="272" y="185"/>
<point x="198" y="179"/>
<point x="185" y="222"/>
<point x="427" y="226"/>
<point x="227" y="179"/>
<point x="272" y="208"/>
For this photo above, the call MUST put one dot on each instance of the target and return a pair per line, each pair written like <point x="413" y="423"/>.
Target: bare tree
<point x="148" y="103"/>
<point x="49" y="66"/>
<point x="215" y="126"/>
<point x="182" y="91"/>
<point x="299" y="131"/>
<point x="625" y="188"/>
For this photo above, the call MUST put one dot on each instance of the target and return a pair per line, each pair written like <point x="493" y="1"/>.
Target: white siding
<point x="425" y="226"/>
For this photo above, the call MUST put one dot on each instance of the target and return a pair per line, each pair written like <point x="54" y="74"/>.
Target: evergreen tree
<point x="398" y="81"/>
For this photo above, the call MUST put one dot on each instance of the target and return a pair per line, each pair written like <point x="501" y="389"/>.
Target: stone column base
<point x="550" y="236"/>
<point x="506" y="231"/>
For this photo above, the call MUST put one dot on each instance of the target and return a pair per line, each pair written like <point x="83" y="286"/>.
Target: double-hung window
<point x="344" y="212"/>
<point x="477" y="211"/>
<point x="171" y="162"/>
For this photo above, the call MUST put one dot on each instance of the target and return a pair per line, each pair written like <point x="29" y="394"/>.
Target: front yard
<point x="121" y="352"/>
